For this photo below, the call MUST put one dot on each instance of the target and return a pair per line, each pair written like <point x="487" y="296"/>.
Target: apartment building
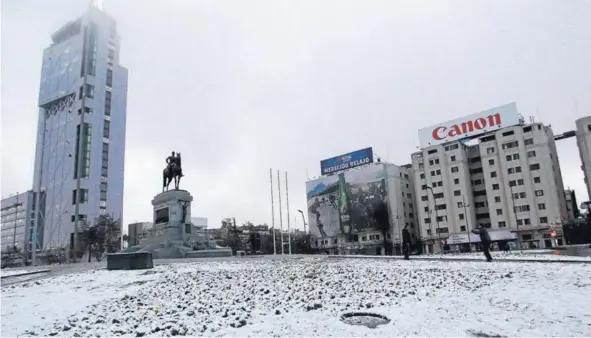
<point x="506" y="178"/>
<point x="572" y="208"/>
<point x="583" y="134"/>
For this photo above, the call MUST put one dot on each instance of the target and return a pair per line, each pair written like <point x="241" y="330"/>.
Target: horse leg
<point x="178" y="181"/>
<point x="163" y="181"/>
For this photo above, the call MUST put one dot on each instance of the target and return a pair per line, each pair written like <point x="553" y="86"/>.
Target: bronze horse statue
<point x="172" y="171"/>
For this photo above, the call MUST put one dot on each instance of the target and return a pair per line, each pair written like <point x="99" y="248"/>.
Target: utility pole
<point x="467" y="223"/>
<point x="272" y="211"/>
<point x="280" y="212"/>
<point x="287" y="202"/>
<point x="303" y="220"/>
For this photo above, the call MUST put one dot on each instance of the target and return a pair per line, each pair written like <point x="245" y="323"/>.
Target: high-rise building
<point x="572" y="208"/>
<point x="79" y="160"/>
<point x="507" y="178"/>
<point x="583" y="134"/>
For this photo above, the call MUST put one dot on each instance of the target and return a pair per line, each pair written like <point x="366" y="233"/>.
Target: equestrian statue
<point x="172" y="171"/>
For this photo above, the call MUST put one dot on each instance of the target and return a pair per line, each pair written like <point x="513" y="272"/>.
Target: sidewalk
<point x="480" y="258"/>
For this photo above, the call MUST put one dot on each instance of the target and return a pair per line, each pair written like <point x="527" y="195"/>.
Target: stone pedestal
<point x="172" y="234"/>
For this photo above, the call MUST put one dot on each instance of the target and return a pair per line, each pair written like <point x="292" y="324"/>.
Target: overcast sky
<point x="241" y="86"/>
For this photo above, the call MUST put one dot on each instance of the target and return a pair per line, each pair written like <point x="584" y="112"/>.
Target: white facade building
<point x="460" y="186"/>
<point x="79" y="161"/>
<point x="583" y="134"/>
<point x="16" y="220"/>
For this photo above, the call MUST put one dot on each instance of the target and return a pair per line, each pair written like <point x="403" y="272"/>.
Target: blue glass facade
<point x="80" y="79"/>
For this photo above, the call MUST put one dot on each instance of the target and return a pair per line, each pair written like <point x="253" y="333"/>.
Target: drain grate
<point x="371" y="320"/>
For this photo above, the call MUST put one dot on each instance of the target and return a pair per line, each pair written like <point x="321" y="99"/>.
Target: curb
<point x="461" y="259"/>
<point x="26" y="273"/>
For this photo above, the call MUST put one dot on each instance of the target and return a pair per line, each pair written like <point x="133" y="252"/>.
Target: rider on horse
<point x="173" y="160"/>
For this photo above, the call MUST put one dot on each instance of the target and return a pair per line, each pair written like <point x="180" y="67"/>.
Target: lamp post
<point x="515" y="216"/>
<point x="467" y="223"/>
<point x="303" y="220"/>
<point x="436" y="217"/>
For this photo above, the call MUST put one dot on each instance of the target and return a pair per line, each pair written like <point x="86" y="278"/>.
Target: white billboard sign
<point x="469" y="126"/>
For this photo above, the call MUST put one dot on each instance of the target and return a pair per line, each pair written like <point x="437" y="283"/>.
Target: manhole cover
<point x="371" y="320"/>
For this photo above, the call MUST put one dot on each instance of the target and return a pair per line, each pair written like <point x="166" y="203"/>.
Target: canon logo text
<point x="443" y="132"/>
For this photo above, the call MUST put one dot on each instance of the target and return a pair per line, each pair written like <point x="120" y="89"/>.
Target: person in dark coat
<point x="405" y="243"/>
<point x="484" y="240"/>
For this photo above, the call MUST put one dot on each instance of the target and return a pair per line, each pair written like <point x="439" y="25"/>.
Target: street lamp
<point x="515" y="216"/>
<point x="304" y="220"/>
<point x="436" y="217"/>
<point x="467" y="223"/>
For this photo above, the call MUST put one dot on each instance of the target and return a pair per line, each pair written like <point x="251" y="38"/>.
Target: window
<point x="462" y="228"/>
<point x="493" y="174"/>
<point x="491" y="162"/>
<point x="512" y="183"/>
<point x="107" y="103"/>
<point x="497" y="199"/>
<point x="544" y="220"/>
<point x="424" y="198"/>
<point x="539" y="193"/>
<point x="534" y="167"/>
<point x="475" y="171"/>
<point x="490" y="150"/>
<point x="453" y="158"/>
<point x="528" y="141"/>
<point x="441" y="218"/>
<point x="509" y="145"/>
<point x="502" y="224"/>
<point x="442" y="230"/>
<point x="461" y="216"/>
<point x="542" y="206"/>
<point x="456" y="181"/>
<point x="520" y="181"/>
<point x="109" y="78"/>
<point x="427" y="220"/>
<point x="432" y="151"/>
<point x="438" y="171"/>
<point x="522" y="208"/>
<point x="103" y="191"/>
<point x="452" y="147"/>
<point x="527" y="129"/>
<point x="438" y="195"/>
<point x="422" y="175"/>
<point x="432" y="172"/>
<point x="83" y="196"/>
<point x="479" y="193"/>
<point x="477" y="182"/>
<point x="441" y="207"/>
<point x="499" y="212"/>
<point x="86" y="136"/>
<point x="508" y="157"/>
<point x="488" y="138"/>
<point x="531" y="153"/>
<point x="454" y="169"/>
<point x="515" y="156"/>
<point x="589" y="127"/>
<point x="519" y="222"/>
<point x="106" y="129"/>
<point x="457" y="193"/>
<point x="424" y="187"/>
<point x="429" y="232"/>
<point x="431" y="162"/>
<point x="426" y="209"/>
<point x="479" y="205"/>
<point x="526" y="221"/>
<point x="508" y="133"/>
<point x="537" y="180"/>
<point x="86" y="91"/>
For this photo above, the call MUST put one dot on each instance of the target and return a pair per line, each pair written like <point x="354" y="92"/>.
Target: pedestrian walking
<point x="484" y="240"/>
<point x="405" y="243"/>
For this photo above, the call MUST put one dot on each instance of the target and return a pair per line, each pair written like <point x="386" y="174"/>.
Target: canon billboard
<point x="469" y="126"/>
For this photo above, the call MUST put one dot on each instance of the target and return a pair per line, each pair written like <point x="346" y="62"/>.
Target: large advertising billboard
<point x="469" y="126"/>
<point x="346" y="161"/>
<point x="345" y="203"/>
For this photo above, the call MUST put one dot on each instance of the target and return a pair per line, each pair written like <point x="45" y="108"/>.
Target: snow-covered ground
<point x="11" y="272"/>
<point x="305" y="297"/>
<point x="550" y="255"/>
